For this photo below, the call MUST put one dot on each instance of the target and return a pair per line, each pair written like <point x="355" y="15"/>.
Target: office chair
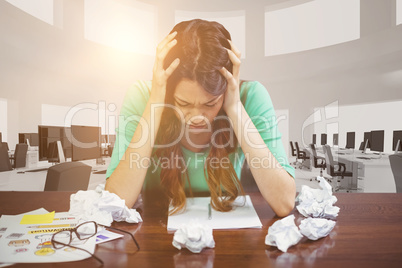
<point x="20" y="155"/>
<point x="5" y="163"/>
<point x="318" y="161"/>
<point x="302" y="155"/>
<point x="361" y="147"/>
<point x="110" y="150"/>
<point x="293" y="153"/>
<point x="68" y="176"/>
<point x="396" y="166"/>
<point x="331" y="164"/>
<point x="5" y="144"/>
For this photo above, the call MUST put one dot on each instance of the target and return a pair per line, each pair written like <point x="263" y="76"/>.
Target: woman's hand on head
<point x="232" y="94"/>
<point x="160" y="75"/>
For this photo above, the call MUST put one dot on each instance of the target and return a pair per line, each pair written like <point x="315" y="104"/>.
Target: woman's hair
<point x="201" y="47"/>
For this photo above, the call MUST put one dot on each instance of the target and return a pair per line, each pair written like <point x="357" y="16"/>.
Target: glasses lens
<point x="61" y="239"/>
<point x="86" y="230"/>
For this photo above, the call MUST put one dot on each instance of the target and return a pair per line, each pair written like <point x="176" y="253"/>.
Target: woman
<point x="207" y="123"/>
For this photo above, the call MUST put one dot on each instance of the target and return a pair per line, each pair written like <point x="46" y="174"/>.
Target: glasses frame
<point x="74" y="230"/>
<point x="77" y="234"/>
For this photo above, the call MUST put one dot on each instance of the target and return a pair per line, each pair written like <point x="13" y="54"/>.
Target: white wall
<point x="358" y="118"/>
<point x="84" y="114"/>
<point x="3" y="119"/>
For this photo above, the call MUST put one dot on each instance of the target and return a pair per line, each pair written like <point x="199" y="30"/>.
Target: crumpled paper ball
<point x="317" y="203"/>
<point x="102" y="207"/>
<point x="194" y="236"/>
<point x="316" y="228"/>
<point x="283" y="234"/>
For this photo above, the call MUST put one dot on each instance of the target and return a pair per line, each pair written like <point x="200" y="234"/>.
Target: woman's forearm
<point x="275" y="184"/>
<point x="128" y="178"/>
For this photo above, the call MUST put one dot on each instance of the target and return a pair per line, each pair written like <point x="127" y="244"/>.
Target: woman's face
<point x="198" y="108"/>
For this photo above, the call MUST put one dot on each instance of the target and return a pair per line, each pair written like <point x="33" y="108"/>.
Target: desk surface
<point x="368" y="233"/>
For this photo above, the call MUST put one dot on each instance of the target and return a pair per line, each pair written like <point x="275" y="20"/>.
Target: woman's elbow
<point x="288" y="202"/>
<point x="285" y="209"/>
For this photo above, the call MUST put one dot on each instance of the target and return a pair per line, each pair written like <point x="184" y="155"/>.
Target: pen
<point x="209" y="212"/>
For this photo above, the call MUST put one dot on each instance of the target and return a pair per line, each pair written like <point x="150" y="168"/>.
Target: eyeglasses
<point x="83" y="231"/>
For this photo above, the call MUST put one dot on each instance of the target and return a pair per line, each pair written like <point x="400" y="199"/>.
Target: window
<point x="310" y="25"/>
<point x="40" y="9"/>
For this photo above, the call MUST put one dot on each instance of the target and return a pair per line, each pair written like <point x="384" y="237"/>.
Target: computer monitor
<point x="377" y="141"/>
<point x="335" y="139"/>
<point x="397" y="141"/>
<point x="33" y="138"/>
<point x="350" y="140"/>
<point x="323" y="139"/>
<point x="49" y="134"/>
<point x="314" y="139"/>
<point x="86" y="142"/>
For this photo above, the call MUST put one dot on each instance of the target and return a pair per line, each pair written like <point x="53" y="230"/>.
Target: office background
<point x="76" y="62"/>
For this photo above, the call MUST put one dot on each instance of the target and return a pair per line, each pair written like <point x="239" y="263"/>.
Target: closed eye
<point x="182" y="104"/>
<point x="211" y="105"/>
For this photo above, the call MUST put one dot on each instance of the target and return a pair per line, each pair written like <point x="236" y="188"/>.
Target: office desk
<point x="22" y="179"/>
<point x="368" y="233"/>
<point x="376" y="171"/>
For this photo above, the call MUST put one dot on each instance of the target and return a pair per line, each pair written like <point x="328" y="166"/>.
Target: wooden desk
<point x="368" y="233"/>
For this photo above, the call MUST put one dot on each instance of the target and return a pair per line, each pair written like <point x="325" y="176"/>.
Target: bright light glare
<point x="126" y="27"/>
<point x="398" y="12"/>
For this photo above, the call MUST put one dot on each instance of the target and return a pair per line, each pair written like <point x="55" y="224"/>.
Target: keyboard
<point x="37" y="170"/>
<point x="364" y="157"/>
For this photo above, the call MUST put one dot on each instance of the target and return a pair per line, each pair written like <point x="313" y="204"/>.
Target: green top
<point x="258" y="105"/>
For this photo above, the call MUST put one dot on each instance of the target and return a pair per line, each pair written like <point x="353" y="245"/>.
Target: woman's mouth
<point x="197" y="126"/>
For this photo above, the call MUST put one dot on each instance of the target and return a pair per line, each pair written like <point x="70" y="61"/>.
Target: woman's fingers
<point x="163" y="49"/>
<point x="234" y="49"/>
<point x="236" y="63"/>
<point x="172" y="67"/>
<point x="229" y="77"/>
<point x="234" y="56"/>
<point x="165" y="41"/>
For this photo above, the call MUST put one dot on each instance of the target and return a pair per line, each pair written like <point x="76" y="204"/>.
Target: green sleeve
<point x="259" y="107"/>
<point x="131" y="112"/>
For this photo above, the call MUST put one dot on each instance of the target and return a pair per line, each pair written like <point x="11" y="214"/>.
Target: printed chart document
<point x="243" y="214"/>
<point x="27" y="238"/>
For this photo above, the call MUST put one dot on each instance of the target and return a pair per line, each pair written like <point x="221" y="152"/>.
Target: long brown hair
<point x="201" y="48"/>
